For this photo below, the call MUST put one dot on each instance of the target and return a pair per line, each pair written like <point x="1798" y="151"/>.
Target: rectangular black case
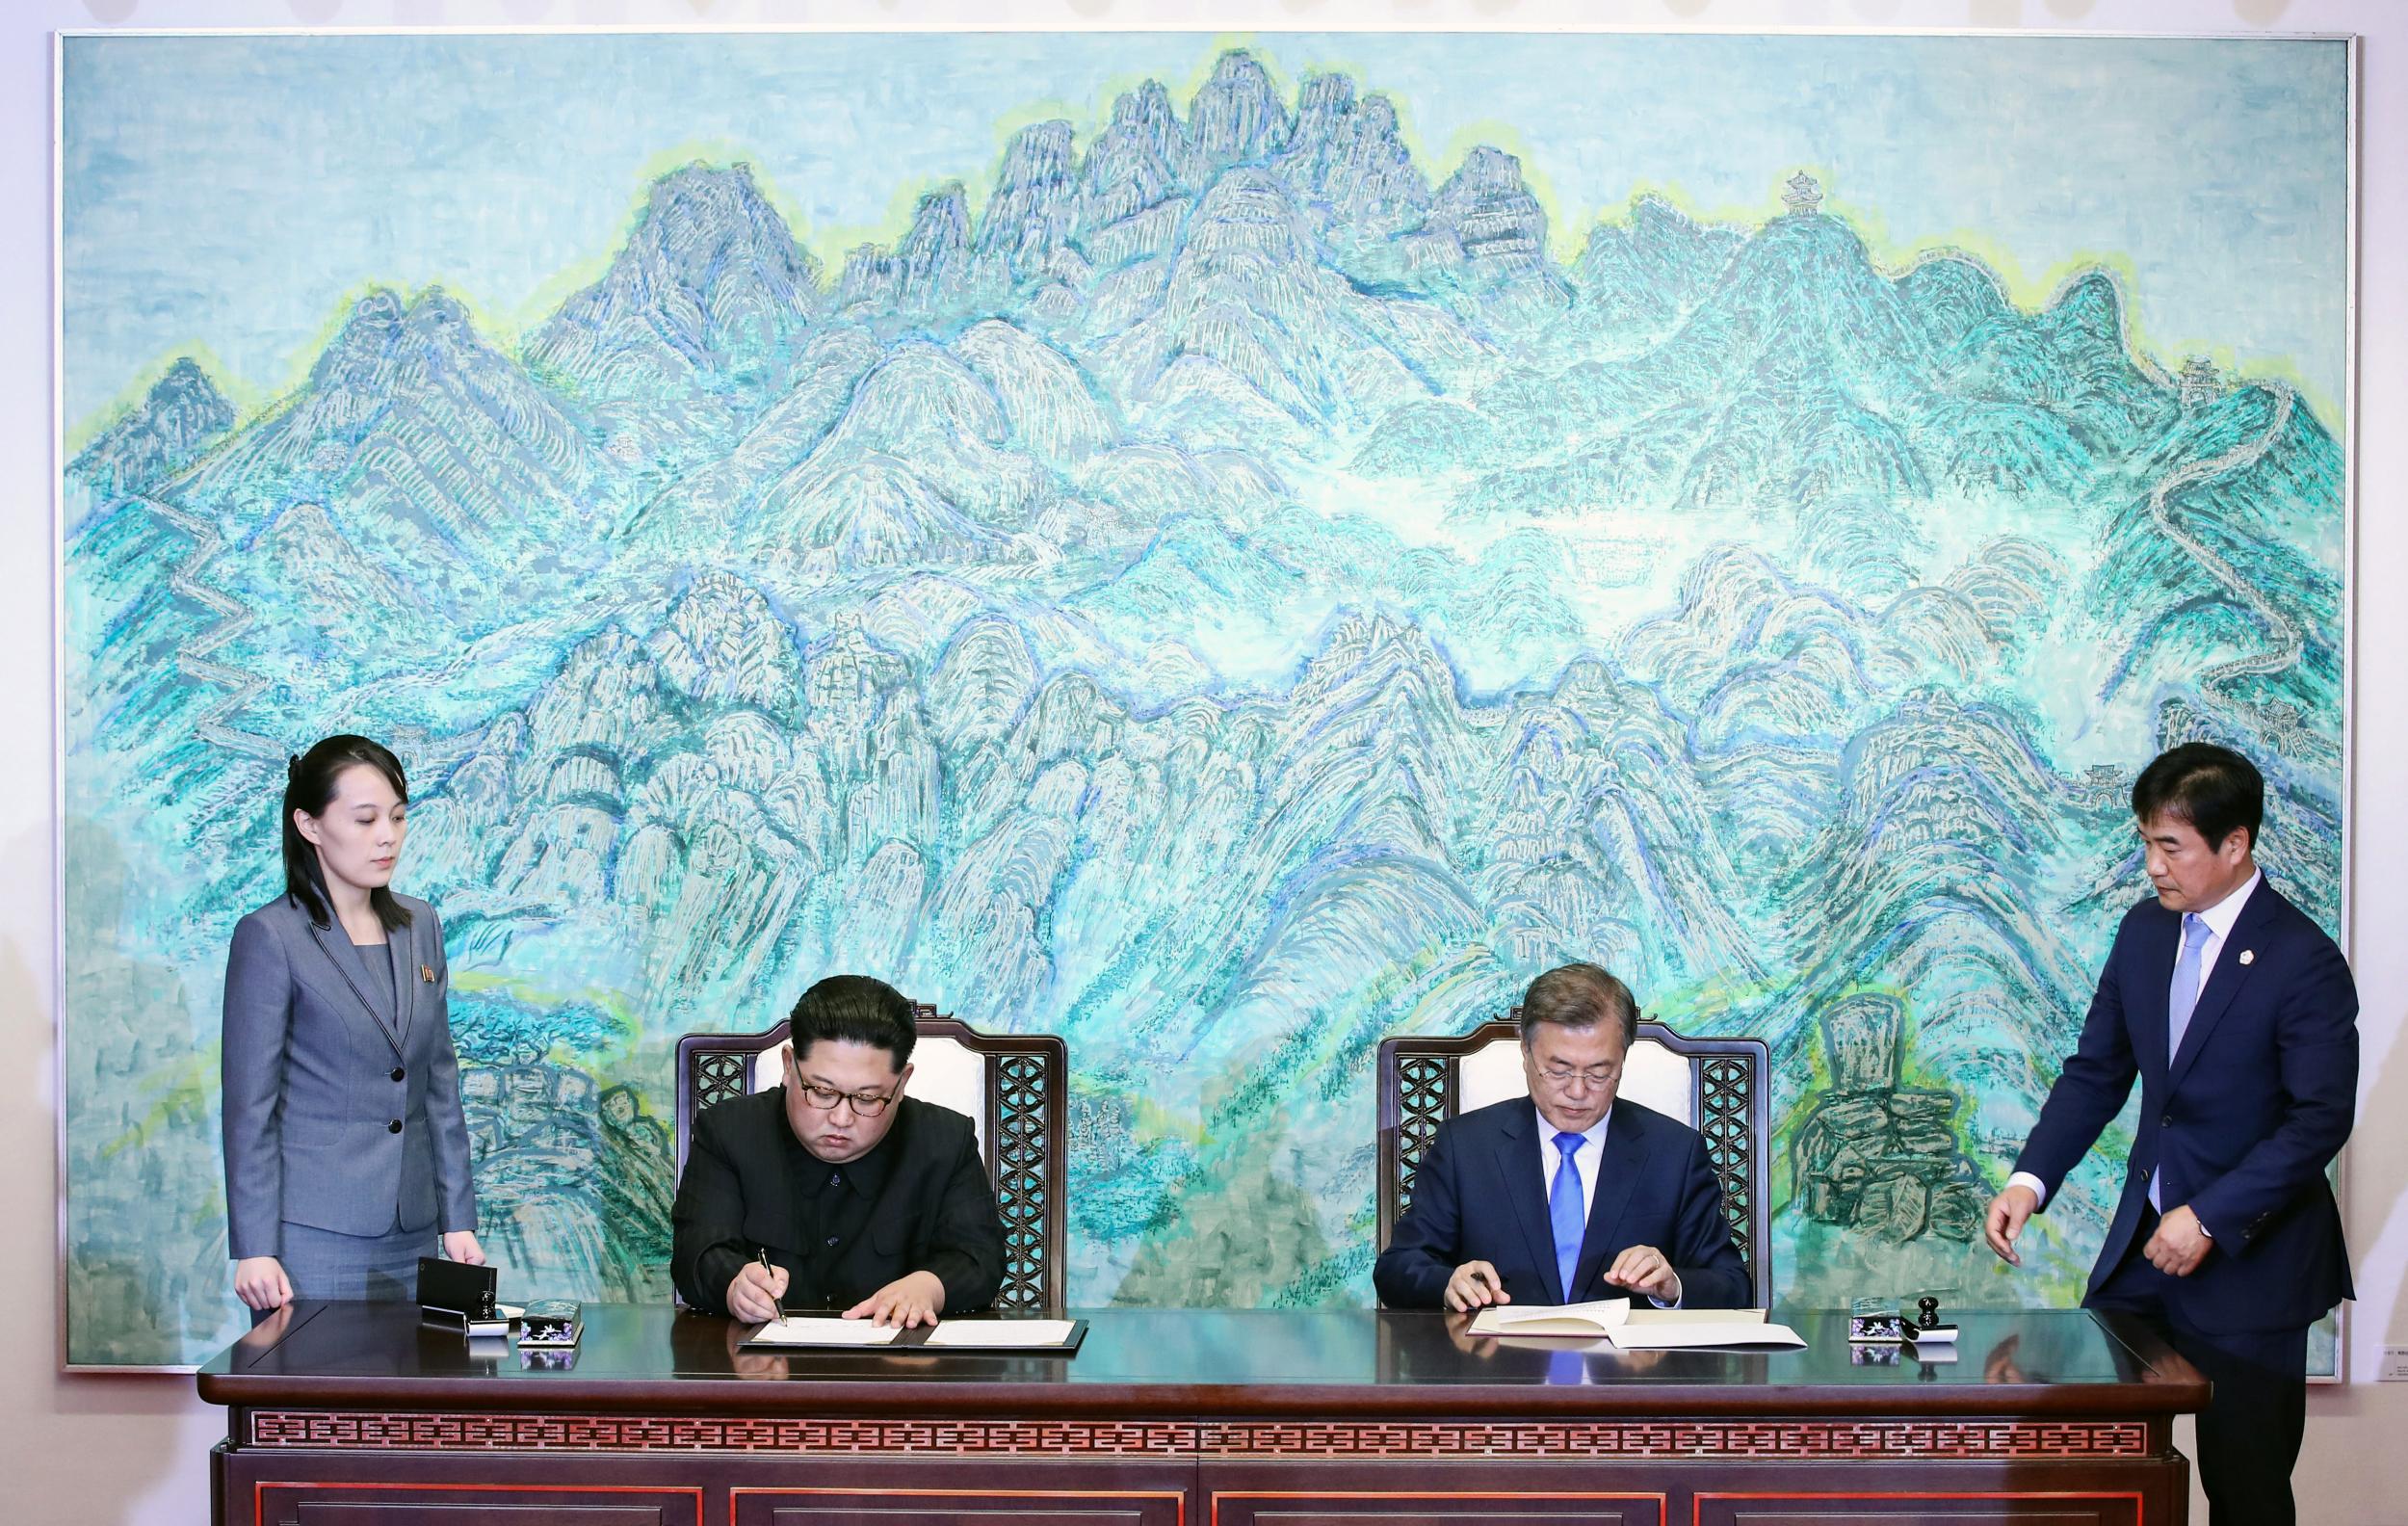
<point x="454" y="1291"/>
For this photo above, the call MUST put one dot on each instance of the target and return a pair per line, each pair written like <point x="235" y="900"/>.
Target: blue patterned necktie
<point x="2181" y="998"/>
<point x="1566" y="1212"/>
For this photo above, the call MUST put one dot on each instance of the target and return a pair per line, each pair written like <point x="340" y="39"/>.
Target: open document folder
<point x="1056" y="1336"/>
<point x="1630" y="1329"/>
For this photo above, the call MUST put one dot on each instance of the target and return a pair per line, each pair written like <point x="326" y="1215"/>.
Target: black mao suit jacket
<point x="751" y="1186"/>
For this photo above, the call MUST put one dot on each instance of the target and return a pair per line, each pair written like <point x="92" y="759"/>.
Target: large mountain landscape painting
<point x="1224" y="550"/>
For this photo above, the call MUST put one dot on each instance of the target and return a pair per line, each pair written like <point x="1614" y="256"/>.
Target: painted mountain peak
<point x="711" y="294"/>
<point x="1224" y="592"/>
<point x="182" y="416"/>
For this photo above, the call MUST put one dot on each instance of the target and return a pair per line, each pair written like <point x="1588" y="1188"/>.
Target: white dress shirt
<point x="2219" y="919"/>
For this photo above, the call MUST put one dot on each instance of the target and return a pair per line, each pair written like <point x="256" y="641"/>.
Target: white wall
<point x="134" y="1449"/>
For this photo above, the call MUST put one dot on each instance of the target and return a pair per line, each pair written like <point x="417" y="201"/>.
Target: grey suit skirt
<point x="321" y="1264"/>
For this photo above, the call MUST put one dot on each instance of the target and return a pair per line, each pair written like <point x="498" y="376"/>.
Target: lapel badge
<point x="2248" y="956"/>
<point x="426" y="972"/>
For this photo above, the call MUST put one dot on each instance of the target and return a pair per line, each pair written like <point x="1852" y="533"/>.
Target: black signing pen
<point x="761" y="1254"/>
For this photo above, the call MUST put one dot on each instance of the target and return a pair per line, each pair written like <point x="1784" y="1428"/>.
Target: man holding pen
<point x="834" y="1191"/>
<point x="1572" y="1193"/>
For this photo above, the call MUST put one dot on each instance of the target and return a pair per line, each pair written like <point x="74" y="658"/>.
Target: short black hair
<point x="854" y="1008"/>
<point x="2214" y="788"/>
<point x="1579" y="996"/>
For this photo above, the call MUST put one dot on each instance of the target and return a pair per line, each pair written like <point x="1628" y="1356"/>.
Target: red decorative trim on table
<point x="330" y="1492"/>
<point x="2140" y="1509"/>
<point x="365" y="1431"/>
<point x="1803" y="1440"/>
<point x="1176" y="1499"/>
<point x="1660" y="1501"/>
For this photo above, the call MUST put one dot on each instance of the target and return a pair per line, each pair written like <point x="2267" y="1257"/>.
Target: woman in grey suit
<point x="346" y="1153"/>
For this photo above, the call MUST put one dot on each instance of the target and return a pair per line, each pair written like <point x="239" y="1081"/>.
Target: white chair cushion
<point x="949" y="1075"/>
<point x="1652" y="1076"/>
<point x="942" y="1072"/>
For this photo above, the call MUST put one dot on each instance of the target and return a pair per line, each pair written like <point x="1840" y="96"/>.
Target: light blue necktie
<point x="1566" y="1212"/>
<point x="2181" y="998"/>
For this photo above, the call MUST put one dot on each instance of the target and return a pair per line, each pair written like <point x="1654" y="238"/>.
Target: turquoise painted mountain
<point x="1225" y="593"/>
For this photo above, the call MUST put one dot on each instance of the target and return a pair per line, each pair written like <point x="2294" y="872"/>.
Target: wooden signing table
<point x="355" y="1415"/>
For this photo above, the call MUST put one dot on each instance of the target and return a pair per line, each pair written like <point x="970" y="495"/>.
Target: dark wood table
<point x="349" y="1414"/>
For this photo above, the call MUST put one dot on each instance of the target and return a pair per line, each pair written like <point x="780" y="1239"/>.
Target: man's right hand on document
<point x="1475" y="1285"/>
<point x="753" y="1294"/>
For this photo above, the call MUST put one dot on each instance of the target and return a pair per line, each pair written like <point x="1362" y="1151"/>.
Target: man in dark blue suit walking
<point x="1568" y="1194"/>
<point x="2239" y="1017"/>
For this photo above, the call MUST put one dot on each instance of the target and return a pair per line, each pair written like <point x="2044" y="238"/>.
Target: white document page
<point x="823" y="1332"/>
<point x="1643" y="1315"/>
<point x="1727" y="1332"/>
<point x="1000" y="1332"/>
<point x="1569" y="1319"/>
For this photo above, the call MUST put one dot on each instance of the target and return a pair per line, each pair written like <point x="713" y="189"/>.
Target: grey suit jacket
<point x="340" y="1114"/>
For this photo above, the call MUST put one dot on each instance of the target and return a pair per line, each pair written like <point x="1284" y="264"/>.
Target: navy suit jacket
<point x="2244" y="1121"/>
<point x="1480" y="1195"/>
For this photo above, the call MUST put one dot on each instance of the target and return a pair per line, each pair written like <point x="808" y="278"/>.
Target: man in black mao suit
<point x="1569" y="1193"/>
<point x="835" y="1191"/>
<point x="2239" y="1017"/>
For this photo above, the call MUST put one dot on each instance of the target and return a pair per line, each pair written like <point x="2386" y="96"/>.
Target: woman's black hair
<point x="310" y="789"/>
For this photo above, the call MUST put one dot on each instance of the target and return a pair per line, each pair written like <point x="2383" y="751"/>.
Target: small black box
<point x="1876" y="1328"/>
<point x="551" y="1322"/>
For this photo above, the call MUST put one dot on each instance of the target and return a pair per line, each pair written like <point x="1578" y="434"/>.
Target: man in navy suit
<point x="1569" y="1193"/>
<point x="2239" y="1017"/>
